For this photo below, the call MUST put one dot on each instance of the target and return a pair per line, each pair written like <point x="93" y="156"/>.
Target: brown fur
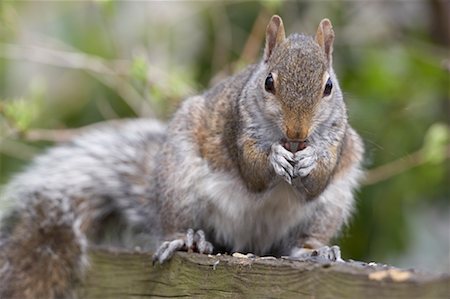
<point x="49" y="251"/>
<point x="351" y="152"/>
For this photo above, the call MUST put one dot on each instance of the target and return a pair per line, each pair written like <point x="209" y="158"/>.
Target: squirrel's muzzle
<point x="296" y="131"/>
<point x="296" y="137"/>
<point x="294" y="145"/>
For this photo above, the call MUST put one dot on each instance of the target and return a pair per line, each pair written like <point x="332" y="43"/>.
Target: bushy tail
<point x="42" y="250"/>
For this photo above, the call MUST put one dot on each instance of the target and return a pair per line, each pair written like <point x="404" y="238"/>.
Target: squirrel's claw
<point x="324" y="254"/>
<point x="281" y="160"/>
<point x="167" y="249"/>
<point x="203" y="246"/>
<point x="191" y="242"/>
<point x="305" y="161"/>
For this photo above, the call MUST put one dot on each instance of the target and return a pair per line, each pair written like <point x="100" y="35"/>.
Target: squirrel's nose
<point x="295" y="145"/>
<point x="297" y="134"/>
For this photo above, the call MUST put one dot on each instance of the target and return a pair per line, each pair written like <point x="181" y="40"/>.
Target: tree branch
<point x="396" y="167"/>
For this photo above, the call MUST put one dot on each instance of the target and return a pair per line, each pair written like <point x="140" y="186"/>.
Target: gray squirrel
<point x="263" y="162"/>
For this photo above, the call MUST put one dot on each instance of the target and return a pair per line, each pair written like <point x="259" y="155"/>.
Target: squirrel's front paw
<point x="281" y="160"/>
<point x="305" y="161"/>
<point x="324" y="254"/>
<point x="190" y="242"/>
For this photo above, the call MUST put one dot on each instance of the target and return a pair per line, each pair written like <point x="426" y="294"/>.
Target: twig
<point x="56" y="57"/>
<point x="222" y="39"/>
<point x="255" y="38"/>
<point x="55" y="135"/>
<point x="17" y="149"/>
<point x="396" y="167"/>
<point x="105" y="109"/>
<point x="58" y="136"/>
<point x="109" y="73"/>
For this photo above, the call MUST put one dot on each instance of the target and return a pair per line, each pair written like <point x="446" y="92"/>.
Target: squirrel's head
<point x="298" y="79"/>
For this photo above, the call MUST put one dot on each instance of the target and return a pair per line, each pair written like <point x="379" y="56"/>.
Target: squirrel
<point x="263" y="162"/>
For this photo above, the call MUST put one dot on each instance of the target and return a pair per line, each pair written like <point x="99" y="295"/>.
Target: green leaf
<point x="139" y="68"/>
<point x="436" y="142"/>
<point x="20" y="112"/>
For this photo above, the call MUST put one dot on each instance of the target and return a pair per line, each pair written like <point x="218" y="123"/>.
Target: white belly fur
<point x="249" y="221"/>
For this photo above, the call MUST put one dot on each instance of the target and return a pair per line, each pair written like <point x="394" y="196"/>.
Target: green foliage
<point x="21" y="113"/>
<point x="437" y="140"/>
<point x="139" y="69"/>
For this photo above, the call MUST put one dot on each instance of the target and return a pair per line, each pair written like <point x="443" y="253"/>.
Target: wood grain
<point x="127" y="275"/>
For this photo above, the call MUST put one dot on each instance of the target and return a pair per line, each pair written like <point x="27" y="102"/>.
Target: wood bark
<point x="124" y="275"/>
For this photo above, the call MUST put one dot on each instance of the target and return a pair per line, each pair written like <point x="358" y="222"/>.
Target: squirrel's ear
<point x="325" y="38"/>
<point x="274" y="35"/>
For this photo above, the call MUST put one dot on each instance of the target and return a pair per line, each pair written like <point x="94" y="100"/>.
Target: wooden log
<point x="126" y="275"/>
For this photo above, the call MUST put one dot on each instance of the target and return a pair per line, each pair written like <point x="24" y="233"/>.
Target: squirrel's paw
<point x="190" y="242"/>
<point x="323" y="254"/>
<point x="281" y="160"/>
<point x="305" y="161"/>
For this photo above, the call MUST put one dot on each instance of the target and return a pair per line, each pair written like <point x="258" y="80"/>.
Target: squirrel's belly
<point x="250" y="222"/>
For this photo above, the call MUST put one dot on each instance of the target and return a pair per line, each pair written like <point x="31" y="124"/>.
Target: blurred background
<point x="67" y="65"/>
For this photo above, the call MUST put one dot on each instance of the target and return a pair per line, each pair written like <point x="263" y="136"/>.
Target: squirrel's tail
<point x="42" y="249"/>
<point x="97" y="186"/>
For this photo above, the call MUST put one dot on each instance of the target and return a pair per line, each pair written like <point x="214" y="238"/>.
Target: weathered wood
<point x="131" y="275"/>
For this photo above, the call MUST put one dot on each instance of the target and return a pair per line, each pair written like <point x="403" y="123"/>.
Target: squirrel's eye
<point x="269" y="84"/>
<point x="328" y="88"/>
